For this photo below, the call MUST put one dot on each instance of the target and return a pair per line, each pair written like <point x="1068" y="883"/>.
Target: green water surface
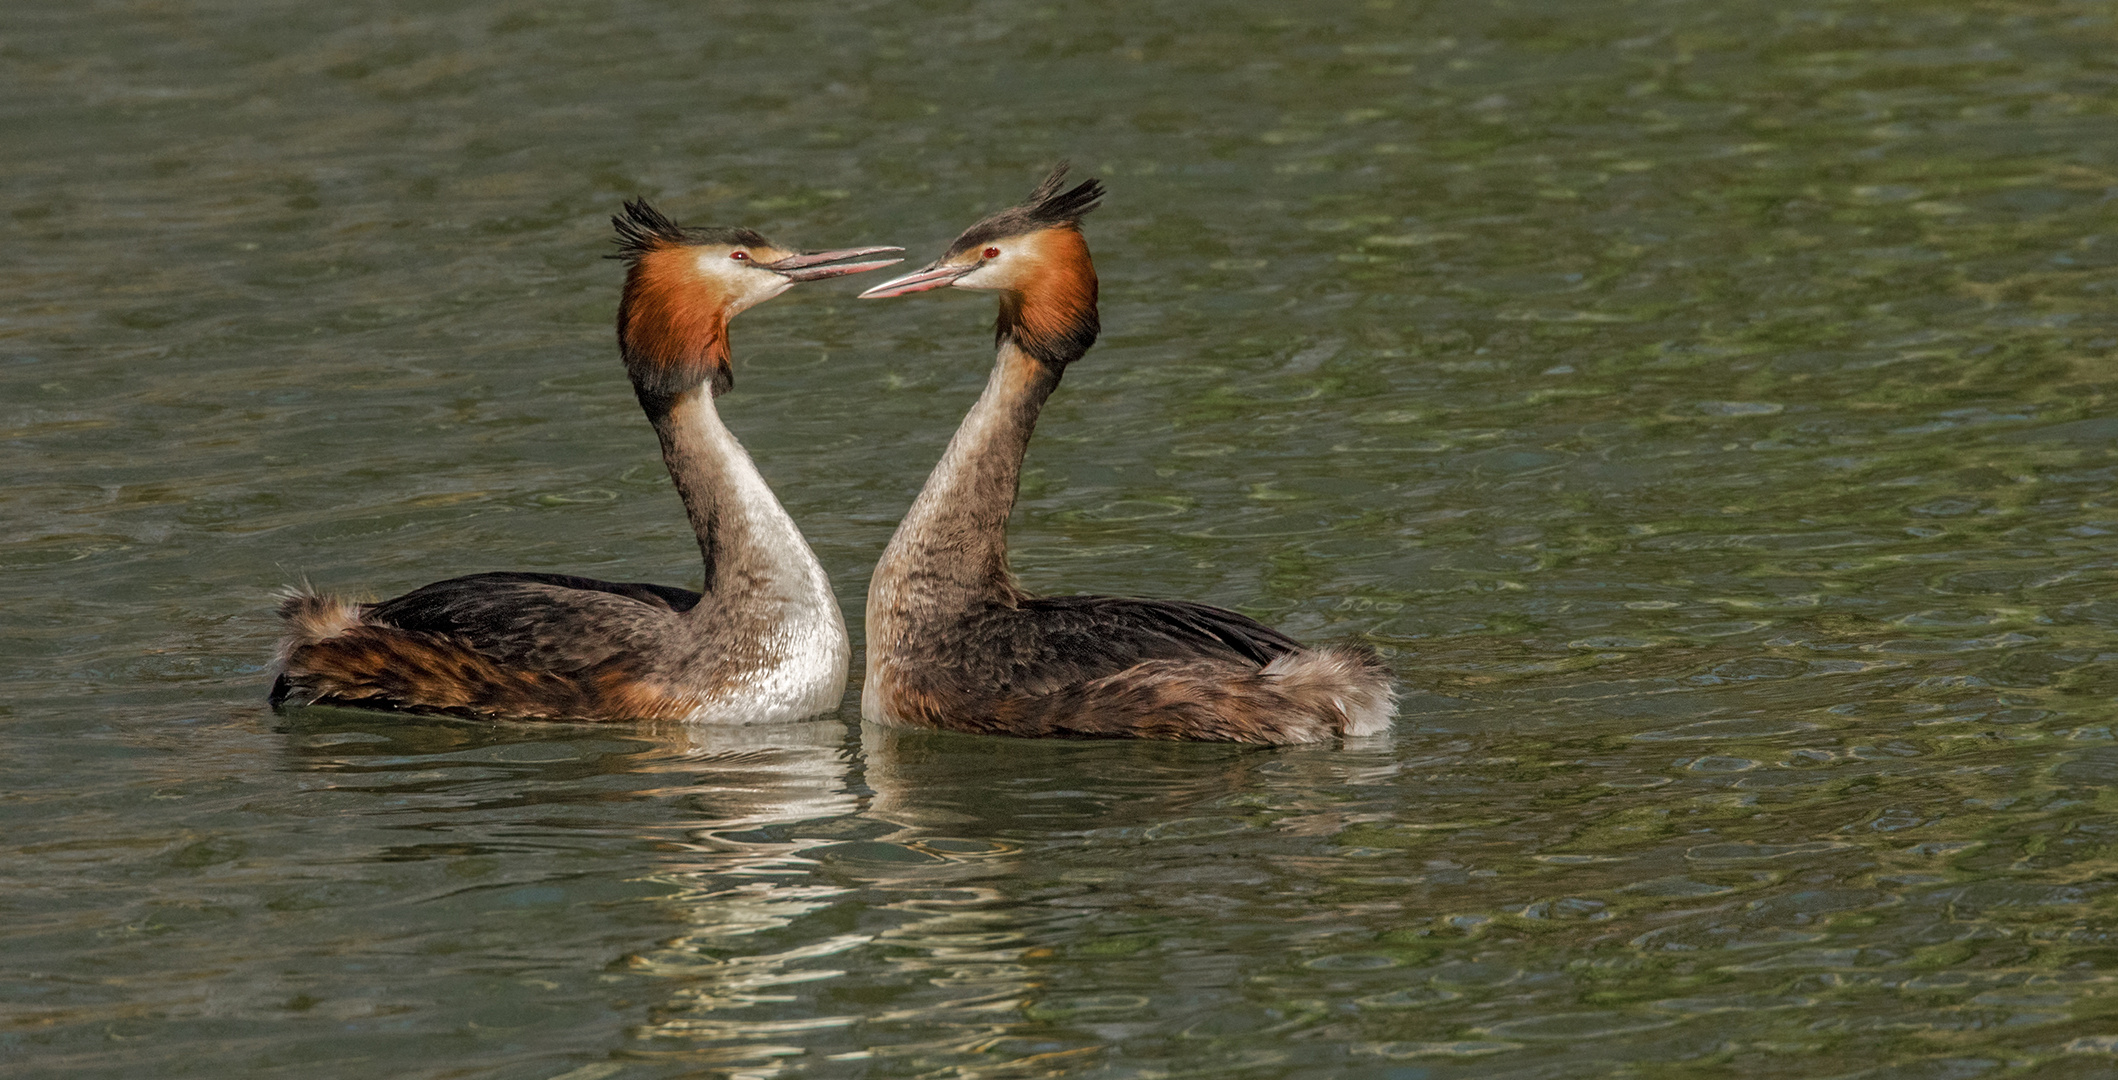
<point x="1706" y="407"/>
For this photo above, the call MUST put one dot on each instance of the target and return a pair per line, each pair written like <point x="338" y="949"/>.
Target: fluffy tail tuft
<point x="1352" y="678"/>
<point x="311" y="617"/>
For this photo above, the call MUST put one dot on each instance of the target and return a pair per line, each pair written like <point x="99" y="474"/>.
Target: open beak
<point x="933" y="277"/>
<point x="809" y="266"/>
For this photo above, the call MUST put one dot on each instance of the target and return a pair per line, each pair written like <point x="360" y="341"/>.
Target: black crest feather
<point x="642" y="229"/>
<point x="1050" y="205"/>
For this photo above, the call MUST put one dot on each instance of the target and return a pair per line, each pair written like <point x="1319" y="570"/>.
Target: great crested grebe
<point x="764" y="642"/>
<point x="954" y="643"/>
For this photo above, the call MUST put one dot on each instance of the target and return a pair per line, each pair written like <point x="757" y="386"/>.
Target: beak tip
<point x="818" y="273"/>
<point x="932" y="277"/>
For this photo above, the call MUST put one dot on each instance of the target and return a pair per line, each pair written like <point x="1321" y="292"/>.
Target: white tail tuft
<point x="1354" y="680"/>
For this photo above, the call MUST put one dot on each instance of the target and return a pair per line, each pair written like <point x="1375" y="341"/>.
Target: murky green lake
<point x="1706" y="406"/>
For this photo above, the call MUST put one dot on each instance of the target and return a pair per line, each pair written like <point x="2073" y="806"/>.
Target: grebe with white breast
<point x="764" y="641"/>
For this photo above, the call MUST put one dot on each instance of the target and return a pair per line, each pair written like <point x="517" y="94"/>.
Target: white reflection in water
<point x="789" y="837"/>
<point x="735" y="876"/>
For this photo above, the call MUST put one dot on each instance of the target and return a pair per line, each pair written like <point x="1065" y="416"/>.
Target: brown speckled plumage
<point x="765" y="639"/>
<point x="527" y="646"/>
<point x="954" y="642"/>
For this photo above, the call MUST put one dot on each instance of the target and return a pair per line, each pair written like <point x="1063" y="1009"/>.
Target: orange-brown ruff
<point x="954" y="643"/>
<point x="764" y="640"/>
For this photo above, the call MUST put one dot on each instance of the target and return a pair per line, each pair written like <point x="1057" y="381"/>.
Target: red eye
<point x="992" y="253"/>
<point x="739" y="256"/>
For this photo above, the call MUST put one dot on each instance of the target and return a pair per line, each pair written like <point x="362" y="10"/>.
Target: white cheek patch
<point x="739" y="279"/>
<point x="758" y="288"/>
<point x="992" y="275"/>
<point x="717" y="266"/>
<point x="1010" y="268"/>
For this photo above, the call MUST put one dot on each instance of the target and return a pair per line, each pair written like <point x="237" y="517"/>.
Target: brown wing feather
<point x="379" y="667"/>
<point x="1114" y="667"/>
<point x="544" y="646"/>
<point x="1051" y="642"/>
<point x="1315" y="695"/>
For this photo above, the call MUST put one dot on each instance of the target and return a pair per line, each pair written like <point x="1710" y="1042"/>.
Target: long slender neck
<point x="954" y="539"/>
<point x="755" y="557"/>
<point x="950" y="554"/>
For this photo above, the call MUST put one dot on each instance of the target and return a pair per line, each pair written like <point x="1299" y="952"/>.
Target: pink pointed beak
<point x="933" y="277"/>
<point x="809" y="266"/>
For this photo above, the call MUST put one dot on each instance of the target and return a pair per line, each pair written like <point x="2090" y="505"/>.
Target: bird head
<point x="1034" y="255"/>
<point x="682" y="286"/>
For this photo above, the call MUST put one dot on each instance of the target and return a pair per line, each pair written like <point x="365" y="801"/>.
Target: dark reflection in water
<point x="1705" y="407"/>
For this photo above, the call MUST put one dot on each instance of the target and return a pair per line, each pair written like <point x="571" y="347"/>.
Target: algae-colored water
<point x="1705" y="406"/>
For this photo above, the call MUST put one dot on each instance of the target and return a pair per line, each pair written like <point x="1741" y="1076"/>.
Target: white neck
<point x="762" y="578"/>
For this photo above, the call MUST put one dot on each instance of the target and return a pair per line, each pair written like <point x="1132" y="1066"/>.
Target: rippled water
<point x="1707" y="407"/>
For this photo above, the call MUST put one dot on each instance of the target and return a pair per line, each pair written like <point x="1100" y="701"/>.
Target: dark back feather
<point x="551" y="622"/>
<point x="1046" y="643"/>
<point x="1167" y="629"/>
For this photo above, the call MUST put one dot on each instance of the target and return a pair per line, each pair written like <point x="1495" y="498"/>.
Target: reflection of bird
<point x="765" y="641"/>
<point x="954" y="643"/>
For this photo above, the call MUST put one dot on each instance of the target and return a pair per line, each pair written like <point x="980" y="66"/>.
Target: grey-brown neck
<point x="952" y="545"/>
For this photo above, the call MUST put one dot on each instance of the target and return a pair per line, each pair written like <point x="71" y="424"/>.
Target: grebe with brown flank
<point x="763" y="642"/>
<point x="953" y="642"/>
